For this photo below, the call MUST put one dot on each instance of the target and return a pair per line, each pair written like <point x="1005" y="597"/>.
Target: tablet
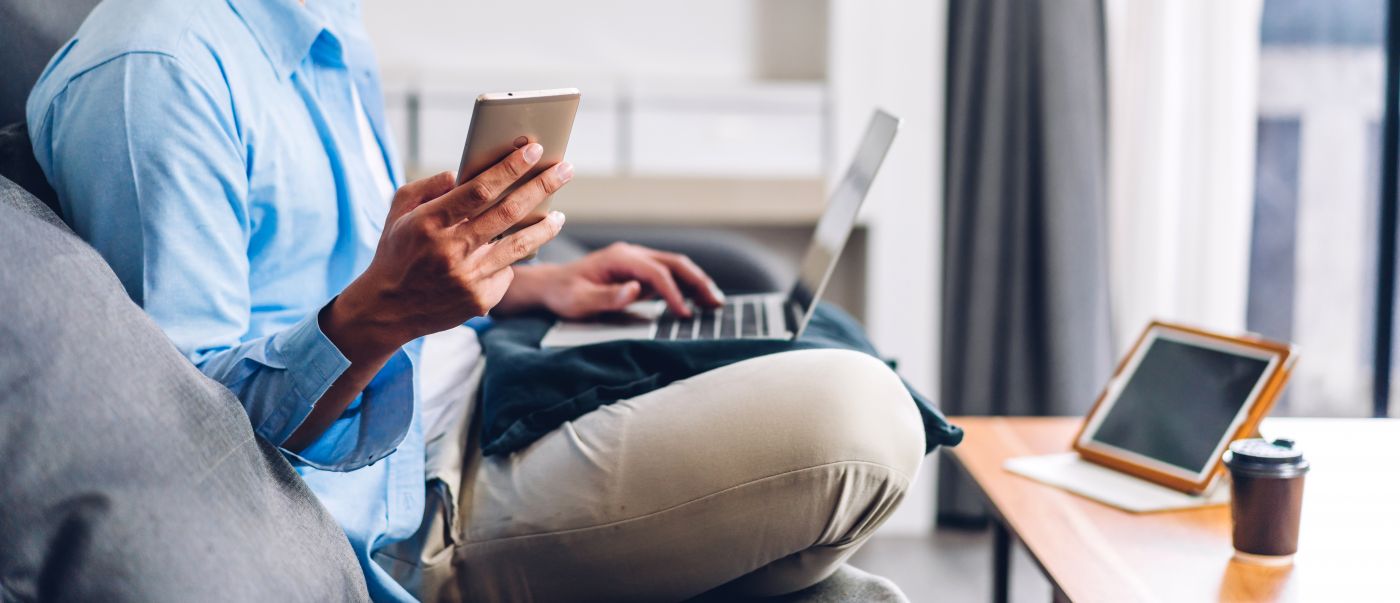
<point x="1178" y="398"/>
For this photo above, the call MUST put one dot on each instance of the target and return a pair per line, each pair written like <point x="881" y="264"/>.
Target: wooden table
<point x="1349" y="549"/>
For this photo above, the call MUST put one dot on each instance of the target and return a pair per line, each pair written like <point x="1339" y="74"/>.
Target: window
<point x="1313" y="257"/>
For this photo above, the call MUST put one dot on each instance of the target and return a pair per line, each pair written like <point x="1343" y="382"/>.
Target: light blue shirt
<point x="209" y="150"/>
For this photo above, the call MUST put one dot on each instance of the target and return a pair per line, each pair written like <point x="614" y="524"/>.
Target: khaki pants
<point x="761" y="478"/>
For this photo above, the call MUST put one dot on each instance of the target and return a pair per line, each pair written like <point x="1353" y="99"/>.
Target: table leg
<point x="1001" y="563"/>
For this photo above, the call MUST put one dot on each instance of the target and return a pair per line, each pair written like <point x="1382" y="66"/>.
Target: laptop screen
<point x="840" y="216"/>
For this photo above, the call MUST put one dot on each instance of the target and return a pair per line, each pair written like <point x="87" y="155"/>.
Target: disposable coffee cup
<point x="1266" y="499"/>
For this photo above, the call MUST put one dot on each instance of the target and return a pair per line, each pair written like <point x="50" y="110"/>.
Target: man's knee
<point x="850" y="407"/>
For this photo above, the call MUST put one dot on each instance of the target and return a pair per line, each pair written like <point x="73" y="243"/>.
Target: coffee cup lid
<point x="1256" y="456"/>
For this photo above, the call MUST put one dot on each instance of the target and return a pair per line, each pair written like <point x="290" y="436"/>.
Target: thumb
<point x="606" y="298"/>
<point x="418" y="192"/>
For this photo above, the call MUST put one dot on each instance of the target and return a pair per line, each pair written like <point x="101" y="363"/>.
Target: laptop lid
<point x="834" y="228"/>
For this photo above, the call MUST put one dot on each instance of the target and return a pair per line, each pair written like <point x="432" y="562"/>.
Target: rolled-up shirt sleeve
<point x="280" y="377"/>
<point x="147" y="161"/>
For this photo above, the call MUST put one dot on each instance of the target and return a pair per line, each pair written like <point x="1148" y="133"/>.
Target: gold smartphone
<point x="505" y="121"/>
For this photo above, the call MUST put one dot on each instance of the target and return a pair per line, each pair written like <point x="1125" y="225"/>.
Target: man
<point x="230" y="160"/>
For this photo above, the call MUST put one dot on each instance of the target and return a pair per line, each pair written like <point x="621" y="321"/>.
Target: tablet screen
<point x="1181" y="401"/>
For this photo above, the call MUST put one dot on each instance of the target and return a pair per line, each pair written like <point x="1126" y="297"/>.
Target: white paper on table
<point x="1067" y="470"/>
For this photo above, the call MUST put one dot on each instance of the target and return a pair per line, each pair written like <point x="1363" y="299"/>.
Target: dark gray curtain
<point x="1025" y="297"/>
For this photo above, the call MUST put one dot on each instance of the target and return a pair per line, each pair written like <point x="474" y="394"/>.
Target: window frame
<point x="1386" y="243"/>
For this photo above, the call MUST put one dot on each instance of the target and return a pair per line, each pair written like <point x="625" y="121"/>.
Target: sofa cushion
<point x="125" y="474"/>
<point x="17" y="164"/>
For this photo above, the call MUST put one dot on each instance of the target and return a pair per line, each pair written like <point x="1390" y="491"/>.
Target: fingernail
<point x="627" y="292"/>
<point x="556" y="218"/>
<point x="565" y="170"/>
<point x="714" y="290"/>
<point x="533" y="152"/>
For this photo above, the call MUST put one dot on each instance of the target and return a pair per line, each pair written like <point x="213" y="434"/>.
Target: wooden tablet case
<point x="1248" y="428"/>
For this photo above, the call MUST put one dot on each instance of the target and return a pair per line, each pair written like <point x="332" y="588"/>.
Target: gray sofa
<point x="125" y="474"/>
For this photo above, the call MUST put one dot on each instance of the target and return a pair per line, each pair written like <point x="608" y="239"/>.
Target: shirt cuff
<point x="370" y="429"/>
<point x="318" y="363"/>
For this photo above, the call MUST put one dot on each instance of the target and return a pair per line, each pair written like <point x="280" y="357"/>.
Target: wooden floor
<point x="949" y="565"/>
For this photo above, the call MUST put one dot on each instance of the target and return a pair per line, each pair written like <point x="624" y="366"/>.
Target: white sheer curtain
<point x="1182" y="89"/>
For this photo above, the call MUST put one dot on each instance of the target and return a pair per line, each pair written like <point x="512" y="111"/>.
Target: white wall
<point x="890" y="54"/>
<point x="715" y="39"/>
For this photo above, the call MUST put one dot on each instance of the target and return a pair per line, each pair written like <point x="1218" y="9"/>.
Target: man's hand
<point x="438" y="264"/>
<point x="608" y="280"/>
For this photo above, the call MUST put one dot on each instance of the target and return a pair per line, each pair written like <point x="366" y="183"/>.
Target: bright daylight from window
<point x="1313" y="257"/>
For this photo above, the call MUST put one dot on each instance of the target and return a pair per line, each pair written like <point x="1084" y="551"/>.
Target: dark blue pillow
<point x="527" y="391"/>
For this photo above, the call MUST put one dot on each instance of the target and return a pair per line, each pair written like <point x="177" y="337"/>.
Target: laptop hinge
<point x="792" y="317"/>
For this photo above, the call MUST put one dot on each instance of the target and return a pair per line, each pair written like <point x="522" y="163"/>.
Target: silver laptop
<point x="762" y="315"/>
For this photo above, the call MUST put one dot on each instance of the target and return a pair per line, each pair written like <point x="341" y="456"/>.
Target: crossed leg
<point x="759" y="478"/>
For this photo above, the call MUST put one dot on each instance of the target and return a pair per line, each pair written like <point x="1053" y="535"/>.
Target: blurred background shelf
<point x="717" y="130"/>
<point x="692" y="201"/>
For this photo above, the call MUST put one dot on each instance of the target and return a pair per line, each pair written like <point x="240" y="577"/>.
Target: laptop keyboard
<point x="736" y="319"/>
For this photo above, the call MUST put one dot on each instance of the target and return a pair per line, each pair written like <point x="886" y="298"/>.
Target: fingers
<point x="523" y="244"/>
<point x="427" y="188"/>
<point x="418" y="192"/>
<point x="593" y="298"/>
<point x="685" y="269"/>
<point x="658" y="278"/>
<point x="473" y="197"/>
<point x="492" y="289"/>
<point x="519" y="204"/>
